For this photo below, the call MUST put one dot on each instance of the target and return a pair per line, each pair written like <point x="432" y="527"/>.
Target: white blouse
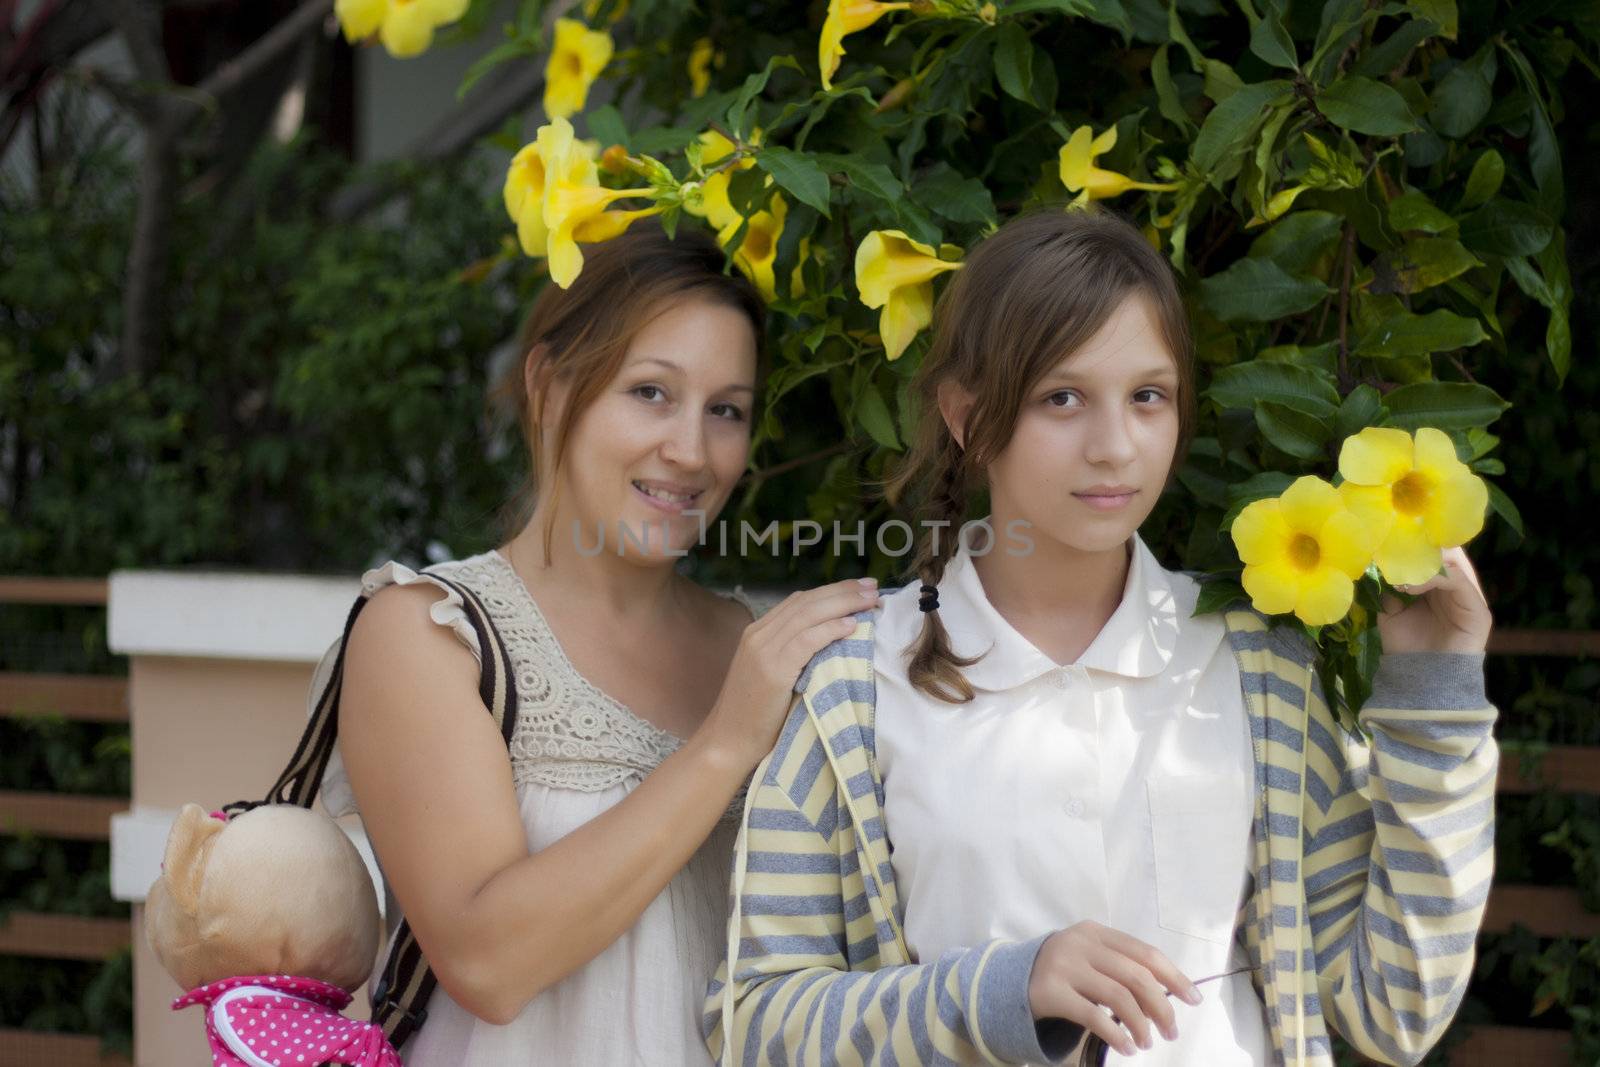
<point x="575" y="752"/>
<point x="1117" y="789"/>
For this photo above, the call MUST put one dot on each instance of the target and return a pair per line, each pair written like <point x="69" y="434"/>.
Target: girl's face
<point x="668" y="435"/>
<point x="1095" y="438"/>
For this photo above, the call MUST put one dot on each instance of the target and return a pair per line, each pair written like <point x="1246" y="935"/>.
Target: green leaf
<point x="1167" y="100"/>
<point x="1218" y="593"/>
<point x="1443" y="405"/>
<point x="1507" y="228"/>
<point x="506" y="50"/>
<point x="1013" y="61"/>
<point x="1254" y="289"/>
<point x="875" y="179"/>
<point x="1362" y="105"/>
<point x="1504" y="508"/>
<point x="1412" y="210"/>
<point x="798" y="173"/>
<point x="1227" y="129"/>
<point x="1406" y="334"/>
<point x="1544" y="152"/>
<point x="1558" y="335"/>
<point x="1462" y="97"/>
<point x="606" y="126"/>
<point x="1440" y="12"/>
<point x="1299" y="239"/>
<point x="1301" y="389"/>
<point x="873" y="414"/>
<point x="1362" y="408"/>
<point x="959" y="199"/>
<point x="1270" y="41"/>
<point x="1383" y="58"/>
<point x="1064" y="7"/>
<point x="1421" y="263"/>
<point x="753" y="87"/>
<point x="1293" y="432"/>
<point x="1487" y="175"/>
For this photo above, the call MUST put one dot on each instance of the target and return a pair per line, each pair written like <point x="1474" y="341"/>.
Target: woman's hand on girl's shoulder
<point x="1086" y="968"/>
<point x="1451" y="614"/>
<point x="744" y="722"/>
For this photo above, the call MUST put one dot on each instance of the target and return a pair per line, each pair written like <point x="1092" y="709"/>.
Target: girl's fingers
<point x="1155" y="961"/>
<point x="1111" y="993"/>
<point x="1142" y="984"/>
<point x="1089" y="1015"/>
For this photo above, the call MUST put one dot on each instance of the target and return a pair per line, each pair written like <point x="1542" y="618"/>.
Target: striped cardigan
<point x="1372" y="868"/>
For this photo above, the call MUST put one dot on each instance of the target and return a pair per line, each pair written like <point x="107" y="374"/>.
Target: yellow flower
<point x="579" y="55"/>
<point x="404" y="26"/>
<point x="526" y="178"/>
<point x="701" y="57"/>
<point x="758" y="252"/>
<point x="1302" y="552"/>
<point x="846" y="17"/>
<point x="1081" y="176"/>
<point x="715" y="207"/>
<point x="895" y="273"/>
<point x="553" y="192"/>
<point x="1414" y="494"/>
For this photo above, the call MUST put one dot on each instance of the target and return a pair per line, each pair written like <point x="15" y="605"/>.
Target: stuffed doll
<point x="269" y="920"/>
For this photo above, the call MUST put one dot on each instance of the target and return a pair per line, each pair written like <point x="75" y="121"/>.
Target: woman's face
<point x="1095" y="438"/>
<point x="670" y="434"/>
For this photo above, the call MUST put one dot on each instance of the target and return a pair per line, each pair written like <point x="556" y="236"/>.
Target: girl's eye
<point x="1061" y="398"/>
<point x="1155" y="395"/>
<point x="730" y="411"/>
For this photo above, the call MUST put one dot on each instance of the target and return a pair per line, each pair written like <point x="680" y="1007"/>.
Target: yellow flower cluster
<point x="1402" y="501"/>
<point x="404" y="26"/>
<point x="553" y="194"/>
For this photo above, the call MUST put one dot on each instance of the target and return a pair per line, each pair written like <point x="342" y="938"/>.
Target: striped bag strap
<point x="399" y="1001"/>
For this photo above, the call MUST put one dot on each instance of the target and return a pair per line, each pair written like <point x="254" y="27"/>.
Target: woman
<point x="570" y="896"/>
<point x="1048" y="794"/>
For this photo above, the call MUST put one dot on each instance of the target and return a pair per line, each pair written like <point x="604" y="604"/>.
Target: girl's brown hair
<point x="581" y="334"/>
<point x="1030" y="295"/>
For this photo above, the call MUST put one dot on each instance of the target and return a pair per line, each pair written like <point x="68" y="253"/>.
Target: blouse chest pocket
<point x="1199" y="832"/>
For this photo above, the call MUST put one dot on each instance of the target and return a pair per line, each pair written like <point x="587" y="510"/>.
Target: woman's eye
<point x="730" y="411"/>
<point x="641" y="391"/>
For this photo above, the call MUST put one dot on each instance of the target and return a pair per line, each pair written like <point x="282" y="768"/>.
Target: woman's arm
<point x="432" y="778"/>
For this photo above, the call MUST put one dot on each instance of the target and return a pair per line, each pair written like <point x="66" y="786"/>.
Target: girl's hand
<point x="1086" y="968"/>
<point x="772" y="652"/>
<point x="1450" y="616"/>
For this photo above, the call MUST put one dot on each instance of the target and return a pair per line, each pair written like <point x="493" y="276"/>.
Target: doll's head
<point x="277" y="890"/>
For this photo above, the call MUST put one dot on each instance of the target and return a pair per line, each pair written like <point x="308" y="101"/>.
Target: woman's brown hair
<point x="1029" y="296"/>
<point x="581" y="334"/>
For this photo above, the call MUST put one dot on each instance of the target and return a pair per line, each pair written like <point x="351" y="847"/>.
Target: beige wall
<point x="208" y="727"/>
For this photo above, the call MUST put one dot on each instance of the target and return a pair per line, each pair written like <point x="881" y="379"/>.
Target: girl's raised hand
<point x="1450" y="616"/>
<point x="1086" y="968"/>
<point x="772" y="652"/>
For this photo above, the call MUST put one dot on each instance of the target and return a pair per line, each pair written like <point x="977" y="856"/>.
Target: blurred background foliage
<point x="315" y="401"/>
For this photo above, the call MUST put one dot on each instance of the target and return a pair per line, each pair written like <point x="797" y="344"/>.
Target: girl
<point x="1036" y="791"/>
<point x="570" y="895"/>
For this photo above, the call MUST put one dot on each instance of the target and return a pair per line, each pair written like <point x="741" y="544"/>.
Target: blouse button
<point x="1074" y="807"/>
<point x="1061" y="678"/>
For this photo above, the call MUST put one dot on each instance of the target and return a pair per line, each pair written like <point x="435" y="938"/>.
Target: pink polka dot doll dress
<point x="279" y="1021"/>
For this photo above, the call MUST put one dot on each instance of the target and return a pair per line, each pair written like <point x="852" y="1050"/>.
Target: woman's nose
<point x="685" y="444"/>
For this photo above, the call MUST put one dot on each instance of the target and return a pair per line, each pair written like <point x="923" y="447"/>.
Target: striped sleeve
<point x="808" y="988"/>
<point x="1399" y="850"/>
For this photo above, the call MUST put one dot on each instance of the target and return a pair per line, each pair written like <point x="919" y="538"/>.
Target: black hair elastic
<point x="930" y="598"/>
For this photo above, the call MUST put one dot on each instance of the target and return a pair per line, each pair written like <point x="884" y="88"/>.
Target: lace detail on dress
<point x="569" y="734"/>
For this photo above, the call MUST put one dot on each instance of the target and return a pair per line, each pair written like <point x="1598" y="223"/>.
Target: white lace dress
<point x="575" y="752"/>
